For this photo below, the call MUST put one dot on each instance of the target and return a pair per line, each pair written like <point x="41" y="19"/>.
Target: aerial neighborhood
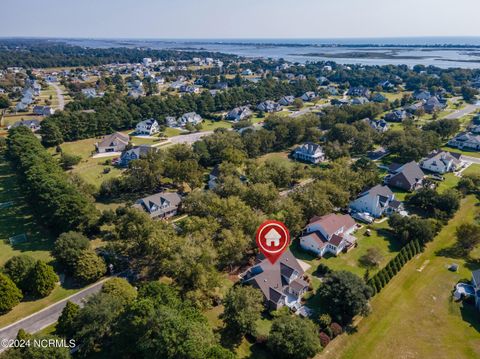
<point x="146" y="174"/>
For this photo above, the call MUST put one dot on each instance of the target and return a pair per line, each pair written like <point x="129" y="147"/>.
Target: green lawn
<point x="380" y="238"/>
<point x="208" y="125"/>
<point x="414" y="316"/>
<point x="18" y="219"/>
<point x="89" y="169"/>
<point x="472" y="169"/>
<point x="279" y="157"/>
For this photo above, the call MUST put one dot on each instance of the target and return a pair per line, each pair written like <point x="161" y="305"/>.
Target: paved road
<point x="61" y="99"/>
<point x="39" y="320"/>
<point x="468" y="109"/>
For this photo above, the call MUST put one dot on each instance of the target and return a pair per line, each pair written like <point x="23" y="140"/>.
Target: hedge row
<point x="55" y="199"/>
<point x="382" y="277"/>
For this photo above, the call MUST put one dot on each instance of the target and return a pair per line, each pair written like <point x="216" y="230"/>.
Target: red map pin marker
<point x="272" y="239"/>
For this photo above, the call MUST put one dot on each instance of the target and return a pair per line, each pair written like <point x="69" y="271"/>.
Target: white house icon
<point x="273" y="238"/>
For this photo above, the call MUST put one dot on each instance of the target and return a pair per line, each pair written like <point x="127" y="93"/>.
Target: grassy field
<point x="18" y="219"/>
<point x="414" y="315"/>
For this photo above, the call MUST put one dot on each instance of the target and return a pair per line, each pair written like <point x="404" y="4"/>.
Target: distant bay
<point x="463" y="52"/>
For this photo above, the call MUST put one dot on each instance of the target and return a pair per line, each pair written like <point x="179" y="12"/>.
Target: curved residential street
<point x="61" y="99"/>
<point x="47" y="316"/>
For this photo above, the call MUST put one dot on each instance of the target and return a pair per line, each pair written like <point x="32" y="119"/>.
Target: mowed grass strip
<point x="414" y="315"/>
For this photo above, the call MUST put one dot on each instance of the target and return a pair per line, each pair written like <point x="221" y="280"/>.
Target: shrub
<point x="336" y="329"/>
<point x="324" y="339"/>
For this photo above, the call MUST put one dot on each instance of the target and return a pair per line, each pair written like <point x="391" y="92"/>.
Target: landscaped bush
<point x="336" y="329"/>
<point x="324" y="339"/>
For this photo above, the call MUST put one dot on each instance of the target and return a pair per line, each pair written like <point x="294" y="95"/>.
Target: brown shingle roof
<point x="332" y="222"/>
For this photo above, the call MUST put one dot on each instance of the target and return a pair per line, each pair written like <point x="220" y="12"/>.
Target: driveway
<point x="189" y="138"/>
<point x="475" y="160"/>
<point x="47" y="316"/>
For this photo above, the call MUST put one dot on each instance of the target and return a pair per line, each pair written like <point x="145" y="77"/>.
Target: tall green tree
<point x="243" y="307"/>
<point x="344" y="295"/>
<point x="293" y="337"/>
<point x="9" y="293"/>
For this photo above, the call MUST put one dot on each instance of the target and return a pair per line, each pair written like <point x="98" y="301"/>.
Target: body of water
<point x="446" y="52"/>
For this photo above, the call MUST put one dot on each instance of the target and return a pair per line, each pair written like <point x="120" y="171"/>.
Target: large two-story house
<point x="376" y="201"/>
<point x="309" y="152"/>
<point x="134" y="154"/>
<point x="442" y="162"/>
<point x="191" y="118"/>
<point x="408" y="177"/>
<point x="359" y="91"/>
<point x="147" y="127"/>
<point x="269" y="106"/>
<point x="466" y="141"/>
<point x="160" y="205"/>
<point x="33" y="125"/>
<point x="239" y="114"/>
<point x="281" y="283"/>
<point x="330" y="233"/>
<point x="116" y="142"/>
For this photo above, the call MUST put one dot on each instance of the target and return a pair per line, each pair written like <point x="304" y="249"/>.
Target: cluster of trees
<point x="411" y="144"/>
<point x="58" y="202"/>
<point x="155" y="321"/>
<point x="178" y="164"/>
<point x="469" y="184"/>
<point x="114" y="111"/>
<point x="343" y="295"/>
<point x="383" y="276"/>
<point x="72" y="251"/>
<point x="444" y="127"/>
<point x="407" y="229"/>
<point x="24" y="276"/>
<point x="441" y="206"/>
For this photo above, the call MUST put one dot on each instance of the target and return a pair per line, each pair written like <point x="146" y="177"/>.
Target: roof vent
<point x="264" y="280"/>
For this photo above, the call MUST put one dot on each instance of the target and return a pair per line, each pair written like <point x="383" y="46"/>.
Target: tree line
<point x="52" y="196"/>
<point x="37" y="53"/>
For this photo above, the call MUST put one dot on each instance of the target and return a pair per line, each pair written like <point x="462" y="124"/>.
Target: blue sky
<point x="239" y="18"/>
